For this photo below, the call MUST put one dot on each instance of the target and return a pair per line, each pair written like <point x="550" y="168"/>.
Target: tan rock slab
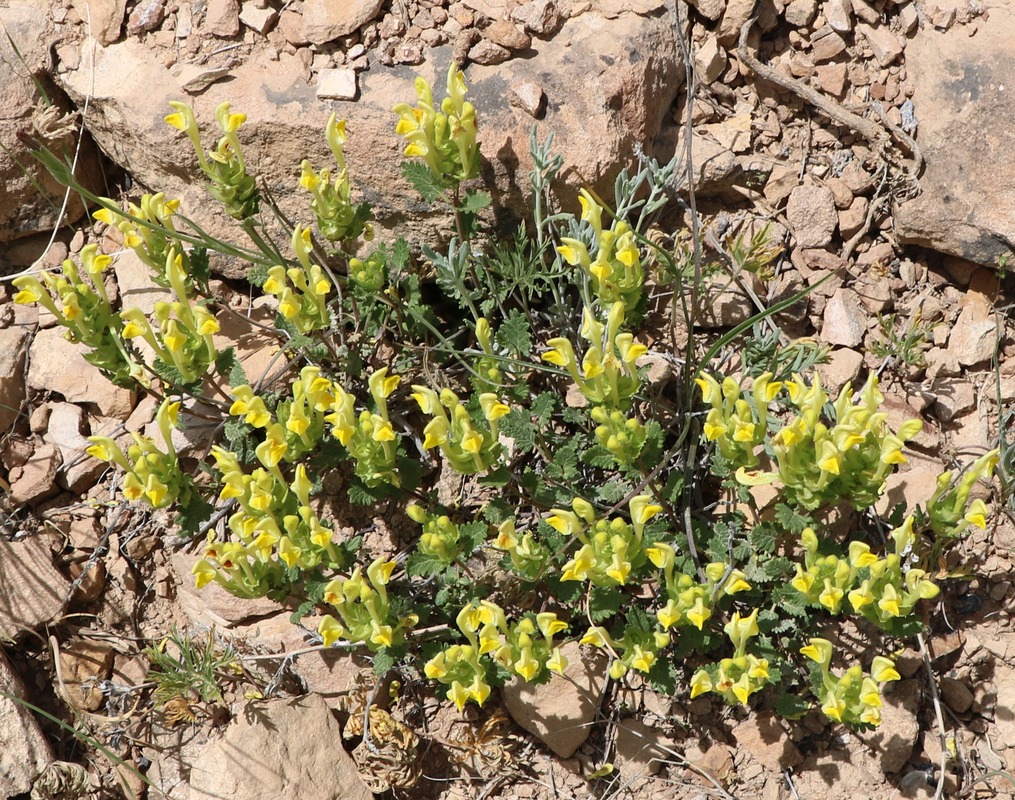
<point x="59" y="366"/>
<point x="25" y="750"/>
<point x="82" y="665"/>
<point x="767" y="740"/>
<point x="561" y="711"/>
<point x="36" y="480"/>
<point x="32" y="590"/>
<point x="280" y="748"/>
<point x="326" y="20"/>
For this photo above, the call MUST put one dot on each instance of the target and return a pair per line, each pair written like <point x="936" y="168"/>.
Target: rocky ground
<point x="872" y="137"/>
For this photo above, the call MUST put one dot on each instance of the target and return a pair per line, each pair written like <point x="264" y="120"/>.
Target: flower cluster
<point x="852" y="698"/>
<point x="439" y="540"/>
<point x="688" y="601"/>
<point x="611" y="549"/>
<point x="850" y="459"/>
<point x="365" y="609"/>
<point x="83" y="308"/>
<point x="616" y="272"/>
<point x="150" y="474"/>
<point x="368" y="436"/>
<point x="469" y="445"/>
<point x="949" y="508"/>
<point x="275" y="529"/>
<point x="301" y="291"/>
<point x="527" y="556"/>
<point x="740" y="676"/>
<point x="183" y="335"/>
<point x="224" y="166"/>
<point x="737" y="425"/>
<point x="445" y="139"/>
<point x="524" y="648"/>
<point x="623" y="436"/>
<point x="370" y="274"/>
<point x="883" y="590"/>
<point x="637" y="649"/>
<point x="148" y="230"/>
<point x="608" y="375"/>
<point x="338" y="219"/>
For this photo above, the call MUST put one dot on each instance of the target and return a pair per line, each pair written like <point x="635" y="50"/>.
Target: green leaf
<point x="514" y="333"/>
<point x="360" y="495"/>
<point x="257" y="275"/>
<point x="763" y="538"/>
<point x="422" y="565"/>
<point x="429" y="186"/>
<point x="613" y="491"/>
<point x="384" y="661"/>
<point x="791" y="706"/>
<point x="599" y="457"/>
<point x="171" y="375"/>
<point x="779" y="567"/>
<point x="470" y="536"/>
<point x="519" y="427"/>
<point x="604" y="603"/>
<point x="793" y="522"/>
<point x="301" y="611"/>
<point x="240" y="438"/>
<point x="498" y="479"/>
<point x="190" y="516"/>
<point x="399" y="258"/>
<point x="542" y="407"/>
<point x="663" y="676"/>
<point x="200" y="267"/>
<point x="474" y="201"/>
<point x="497" y="510"/>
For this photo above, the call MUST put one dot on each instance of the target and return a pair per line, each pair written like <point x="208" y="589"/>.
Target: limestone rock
<point x="765" y="737"/>
<point x="488" y="53"/>
<point x="57" y="365"/>
<point x="258" y="19"/>
<point x="842" y="368"/>
<point x="24" y="209"/>
<point x="508" y="35"/>
<point x="812" y="215"/>
<point x="213" y="606"/>
<point x="529" y="97"/>
<point x="639" y="749"/>
<point x="845" y="322"/>
<point x="838" y="14"/>
<point x="710" y="9"/>
<point x="195" y="78"/>
<point x="104" y="18"/>
<point x="325" y="20"/>
<point x="32" y="590"/>
<point x="336" y="84"/>
<point x="800" y="13"/>
<point x="710" y="60"/>
<point x="886" y="45"/>
<point x="26" y="752"/>
<point x="614" y="79"/>
<point x="737" y="12"/>
<point x="539" y="17"/>
<point x="13" y="346"/>
<point x="1004" y="710"/>
<point x="954" y="397"/>
<point x="222" y="18"/>
<point x="66" y="429"/>
<point x="560" y="712"/>
<point x="973" y="337"/>
<point x="962" y="97"/>
<point x="277" y="748"/>
<point x="83" y="663"/>
<point x="146" y="16"/>
<point x="895" y="739"/>
<point x="36" y="480"/>
<point x="956" y="694"/>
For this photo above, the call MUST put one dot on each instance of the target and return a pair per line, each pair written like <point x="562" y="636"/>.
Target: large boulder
<point x="608" y="83"/>
<point x="963" y="106"/>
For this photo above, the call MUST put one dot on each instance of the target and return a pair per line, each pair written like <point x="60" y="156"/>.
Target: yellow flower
<point x="819" y="650"/>
<point x="271" y="451"/>
<point x="330" y="630"/>
<point x="883" y="669"/>
<point x="204" y="573"/>
<point x="833" y="707"/>
<point x="557" y="661"/>
<point x="701" y="682"/>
